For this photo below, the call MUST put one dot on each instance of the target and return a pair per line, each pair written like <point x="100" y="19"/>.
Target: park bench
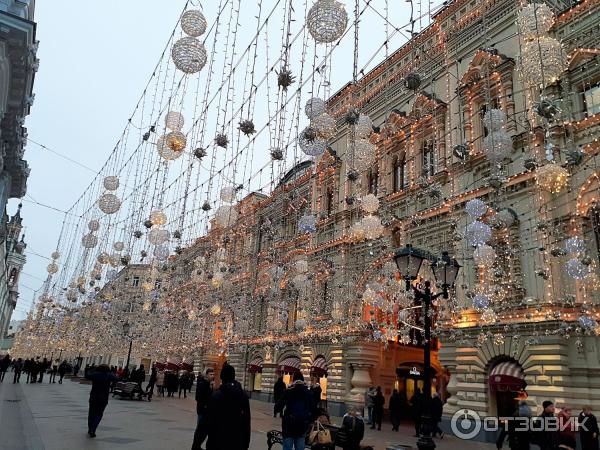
<point x="128" y="389"/>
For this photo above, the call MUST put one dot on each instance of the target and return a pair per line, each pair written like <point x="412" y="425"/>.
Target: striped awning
<point x="507" y="376"/>
<point x="173" y="363"/>
<point x="255" y="366"/>
<point x="187" y="364"/>
<point x="290" y="364"/>
<point x="319" y="367"/>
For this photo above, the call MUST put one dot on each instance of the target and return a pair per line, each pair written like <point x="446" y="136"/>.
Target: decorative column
<point x="361" y="357"/>
<point x="508" y="101"/>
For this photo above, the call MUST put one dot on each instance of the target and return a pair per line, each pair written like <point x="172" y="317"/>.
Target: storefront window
<point x="257" y="381"/>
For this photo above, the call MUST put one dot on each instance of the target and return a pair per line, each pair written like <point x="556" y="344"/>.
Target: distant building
<point x="6" y="343"/>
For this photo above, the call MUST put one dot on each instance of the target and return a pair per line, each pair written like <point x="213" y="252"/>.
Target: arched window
<point x="400" y="174"/>
<point x="329" y="201"/>
<point x="373" y="180"/>
<point x="428" y="157"/>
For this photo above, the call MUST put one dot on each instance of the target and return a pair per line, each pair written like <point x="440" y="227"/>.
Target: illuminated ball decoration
<point x="193" y="23"/>
<point x="481" y="301"/>
<point x="478" y="233"/>
<point x="169" y="146"/>
<point x="215" y="309"/>
<point x="217" y="280"/>
<point x="504" y="219"/>
<point x="576" y="269"/>
<point x="103" y="258"/>
<point x="228" y="194"/>
<point x="174" y="120"/>
<point x="158" y="236"/>
<point x="307" y="224"/>
<point x="372" y="226"/>
<point x="226" y="215"/>
<point x="552" y="178"/>
<point x="364" y="154"/>
<point x="161" y="252"/>
<point x="55" y="255"/>
<point x="364" y="126"/>
<point x="111" y="183"/>
<point x="158" y="218"/>
<point x="324" y="125"/>
<point x="93" y="225"/>
<point x="310" y="144"/>
<point x="326" y="21"/>
<point x="369" y="203"/>
<point x="89" y="241"/>
<point x="484" y="256"/>
<point x="118" y="246"/>
<point x="300" y="324"/>
<point x="189" y="55"/>
<point x="497" y="146"/>
<point x="109" y="203"/>
<point x="586" y="321"/>
<point x="72" y="295"/>
<point x="357" y="232"/>
<point x="543" y="60"/>
<point x="314" y="107"/>
<point x="575" y="244"/>
<point x="494" y="119"/>
<point x="476" y="208"/>
<point x="534" y="19"/>
<point x="111" y="274"/>
<point x="52" y="268"/>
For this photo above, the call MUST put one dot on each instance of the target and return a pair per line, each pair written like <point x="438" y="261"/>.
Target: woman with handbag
<point x="320" y="438"/>
<point x="352" y="430"/>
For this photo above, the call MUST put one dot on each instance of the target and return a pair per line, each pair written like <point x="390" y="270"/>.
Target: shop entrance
<point x="507" y="385"/>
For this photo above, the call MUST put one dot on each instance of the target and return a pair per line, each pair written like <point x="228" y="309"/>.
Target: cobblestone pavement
<point x="54" y="417"/>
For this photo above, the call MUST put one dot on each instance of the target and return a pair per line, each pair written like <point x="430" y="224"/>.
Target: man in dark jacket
<point x="588" y="429"/>
<point x="297" y="404"/>
<point x="437" y="408"/>
<point x="352" y="430"/>
<point x="395" y="409"/>
<point x="17" y="367"/>
<point x="204" y="392"/>
<point x="378" y="404"/>
<point x="43" y="367"/>
<point x="101" y="380"/>
<point x="228" y="415"/>
<point x="34" y="370"/>
<point x="416" y="403"/>
<point x="151" y="382"/>
<point x="62" y="370"/>
<point x="547" y="438"/>
<point x="278" y="390"/>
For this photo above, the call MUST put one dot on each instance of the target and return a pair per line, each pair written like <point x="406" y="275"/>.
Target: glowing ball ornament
<point x="494" y="119"/>
<point x="326" y="21"/>
<point x="476" y="208"/>
<point x="575" y="244"/>
<point x="587" y="322"/>
<point x="189" y="55"/>
<point x="364" y="126"/>
<point x="158" y="236"/>
<point x="89" y="241"/>
<point x="174" y="121"/>
<point x="504" y="219"/>
<point x="193" y="23"/>
<point x="314" y="107"/>
<point x="161" y="252"/>
<point x="103" y="258"/>
<point x="118" y="246"/>
<point x="369" y="203"/>
<point x="364" y="154"/>
<point x="481" y="301"/>
<point x="52" y="268"/>
<point x="576" y="269"/>
<point x="307" y="224"/>
<point x="543" y="60"/>
<point x="111" y="183"/>
<point x="55" y="255"/>
<point x="484" y="256"/>
<point x="372" y="226"/>
<point x="478" y="233"/>
<point x="533" y="20"/>
<point x="109" y="203"/>
<point x="158" y="218"/>
<point x="324" y="125"/>
<point x="226" y="215"/>
<point x="552" y="178"/>
<point x="228" y="194"/>
<point x="310" y="144"/>
<point x="300" y="324"/>
<point x="217" y="280"/>
<point x="93" y="225"/>
<point x="497" y="146"/>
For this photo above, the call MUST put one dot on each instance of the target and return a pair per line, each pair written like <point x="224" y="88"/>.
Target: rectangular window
<point x="329" y="201"/>
<point x="428" y="157"/>
<point x="400" y="174"/>
<point x="157" y="284"/>
<point x="135" y="282"/>
<point x="591" y="97"/>
<point x="373" y="181"/>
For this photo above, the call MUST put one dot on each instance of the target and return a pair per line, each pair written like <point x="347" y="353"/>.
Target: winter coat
<point x="417" y="404"/>
<point x="101" y="381"/>
<point x="203" y="394"/>
<point x="153" y="376"/>
<point x="228" y="416"/>
<point x="278" y="389"/>
<point x="298" y="406"/>
<point x="588" y="441"/>
<point x="546" y="439"/>
<point x="395" y="404"/>
<point x="160" y="378"/>
<point x="62" y="369"/>
<point x="378" y="402"/>
<point x="354" y="429"/>
<point x="369" y="398"/>
<point x="437" y="407"/>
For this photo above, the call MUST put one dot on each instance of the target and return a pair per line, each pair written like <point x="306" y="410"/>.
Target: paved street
<point x="54" y="417"/>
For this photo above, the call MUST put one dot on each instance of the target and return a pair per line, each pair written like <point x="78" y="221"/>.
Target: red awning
<point x="289" y="365"/>
<point x="173" y="363"/>
<point x="507" y="376"/>
<point x="159" y="365"/>
<point x="255" y="366"/>
<point x="187" y="364"/>
<point x="319" y="367"/>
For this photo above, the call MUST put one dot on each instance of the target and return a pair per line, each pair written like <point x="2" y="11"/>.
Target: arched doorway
<point x="287" y="367"/>
<point x="409" y="378"/>
<point x="507" y="384"/>
<point x="255" y="367"/>
<point x="318" y="372"/>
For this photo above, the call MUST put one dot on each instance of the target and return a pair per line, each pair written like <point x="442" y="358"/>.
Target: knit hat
<point x="227" y="373"/>
<point x="298" y="376"/>
<point x="547" y="403"/>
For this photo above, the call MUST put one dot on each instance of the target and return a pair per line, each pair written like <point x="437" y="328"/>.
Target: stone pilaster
<point x="361" y="357"/>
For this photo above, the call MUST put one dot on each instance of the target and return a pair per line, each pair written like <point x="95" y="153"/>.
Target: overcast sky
<point x="95" y="59"/>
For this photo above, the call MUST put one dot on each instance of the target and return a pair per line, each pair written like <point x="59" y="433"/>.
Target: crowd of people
<point x="34" y="369"/>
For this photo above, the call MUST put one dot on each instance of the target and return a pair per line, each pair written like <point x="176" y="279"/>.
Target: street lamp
<point x="126" y="328"/>
<point x="445" y="269"/>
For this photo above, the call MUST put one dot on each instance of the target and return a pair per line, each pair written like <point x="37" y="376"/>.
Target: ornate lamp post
<point x="445" y="269"/>
<point x="126" y="329"/>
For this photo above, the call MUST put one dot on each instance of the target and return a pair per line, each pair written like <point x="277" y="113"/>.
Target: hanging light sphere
<point x="111" y="183"/>
<point x="369" y="203"/>
<point x="158" y="218"/>
<point x="307" y="224"/>
<point x="364" y="155"/>
<point x="481" y="301"/>
<point x="165" y="150"/>
<point x="147" y="286"/>
<point x="55" y="255"/>
<point x="89" y="241"/>
<point x="118" y="246"/>
<point x="324" y="125"/>
<point x="52" y="268"/>
<point x="576" y="269"/>
<point x="478" y="233"/>
<point x="93" y="225"/>
<point x="109" y="203"/>
<point x="310" y="144"/>
<point x="326" y="21"/>
<point x="364" y="126"/>
<point x="72" y="295"/>
<point x="494" y="119"/>
<point x="215" y="309"/>
<point x="476" y="208"/>
<point x="189" y="55"/>
<point x="111" y="274"/>
<point x="226" y="215"/>
<point x="552" y="178"/>
<point x="497" y="146"/>
<point x="158" y="236"/>
<point x="503" y="219"/>
<point x="587" y="322"/>
<point x="217" y="280"/>
<point x="193" y="23"/>
<point x="314" y="107"/>
<point x="174" y="120"/>
<point x="543" y="60"/>
<point x="484" y="256"/>
<point x="534" y="19"/>
<point x="372" y="226"/>
<point x="575" y="244"/>
<point x="161" y="252"/>
<point x="228" y="194"/>
<point x="114" y="260"/>
<point x="103" y="258"/>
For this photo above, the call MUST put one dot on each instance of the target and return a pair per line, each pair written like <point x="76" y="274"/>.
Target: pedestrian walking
<point x="160" y="383"/>
<point x="101" y="378"/>
<point x="278" y="389"/>
<point x="228" y="415"/>
<point x="4" y="364"/>
<point x="352" y="430"/>
<point x="566" y="434"/>
<point x="53" y="372"/>
<point x="416" y="404"/>
<point x="316" y="391"/>
<point x="395" y="409"/>
<point x="204" y="392"/>
<point x="62" y="370"/>
<point x="27" y="369"/>
<point x="43" y="367"/>
<point x="151" y="382"/>
<point x="76" y="369"/>
<point x="17" y="367"/>
<point x="369" y="395"/>
<point x="184" y="383"/>
<point x="547" y="437"/>
<point x="588" y="429"/>
<point x="34" y="370"/>
<point x="437" y="408"/>
<point x="297" y="404"/>
<point x="378" y="402"/>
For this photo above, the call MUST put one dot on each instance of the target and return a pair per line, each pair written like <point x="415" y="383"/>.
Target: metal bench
<point x="275" y="437"/>
<point x="128" y="389"/>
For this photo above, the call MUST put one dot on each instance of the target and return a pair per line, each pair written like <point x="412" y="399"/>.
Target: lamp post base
<point x="425" y="441"/>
